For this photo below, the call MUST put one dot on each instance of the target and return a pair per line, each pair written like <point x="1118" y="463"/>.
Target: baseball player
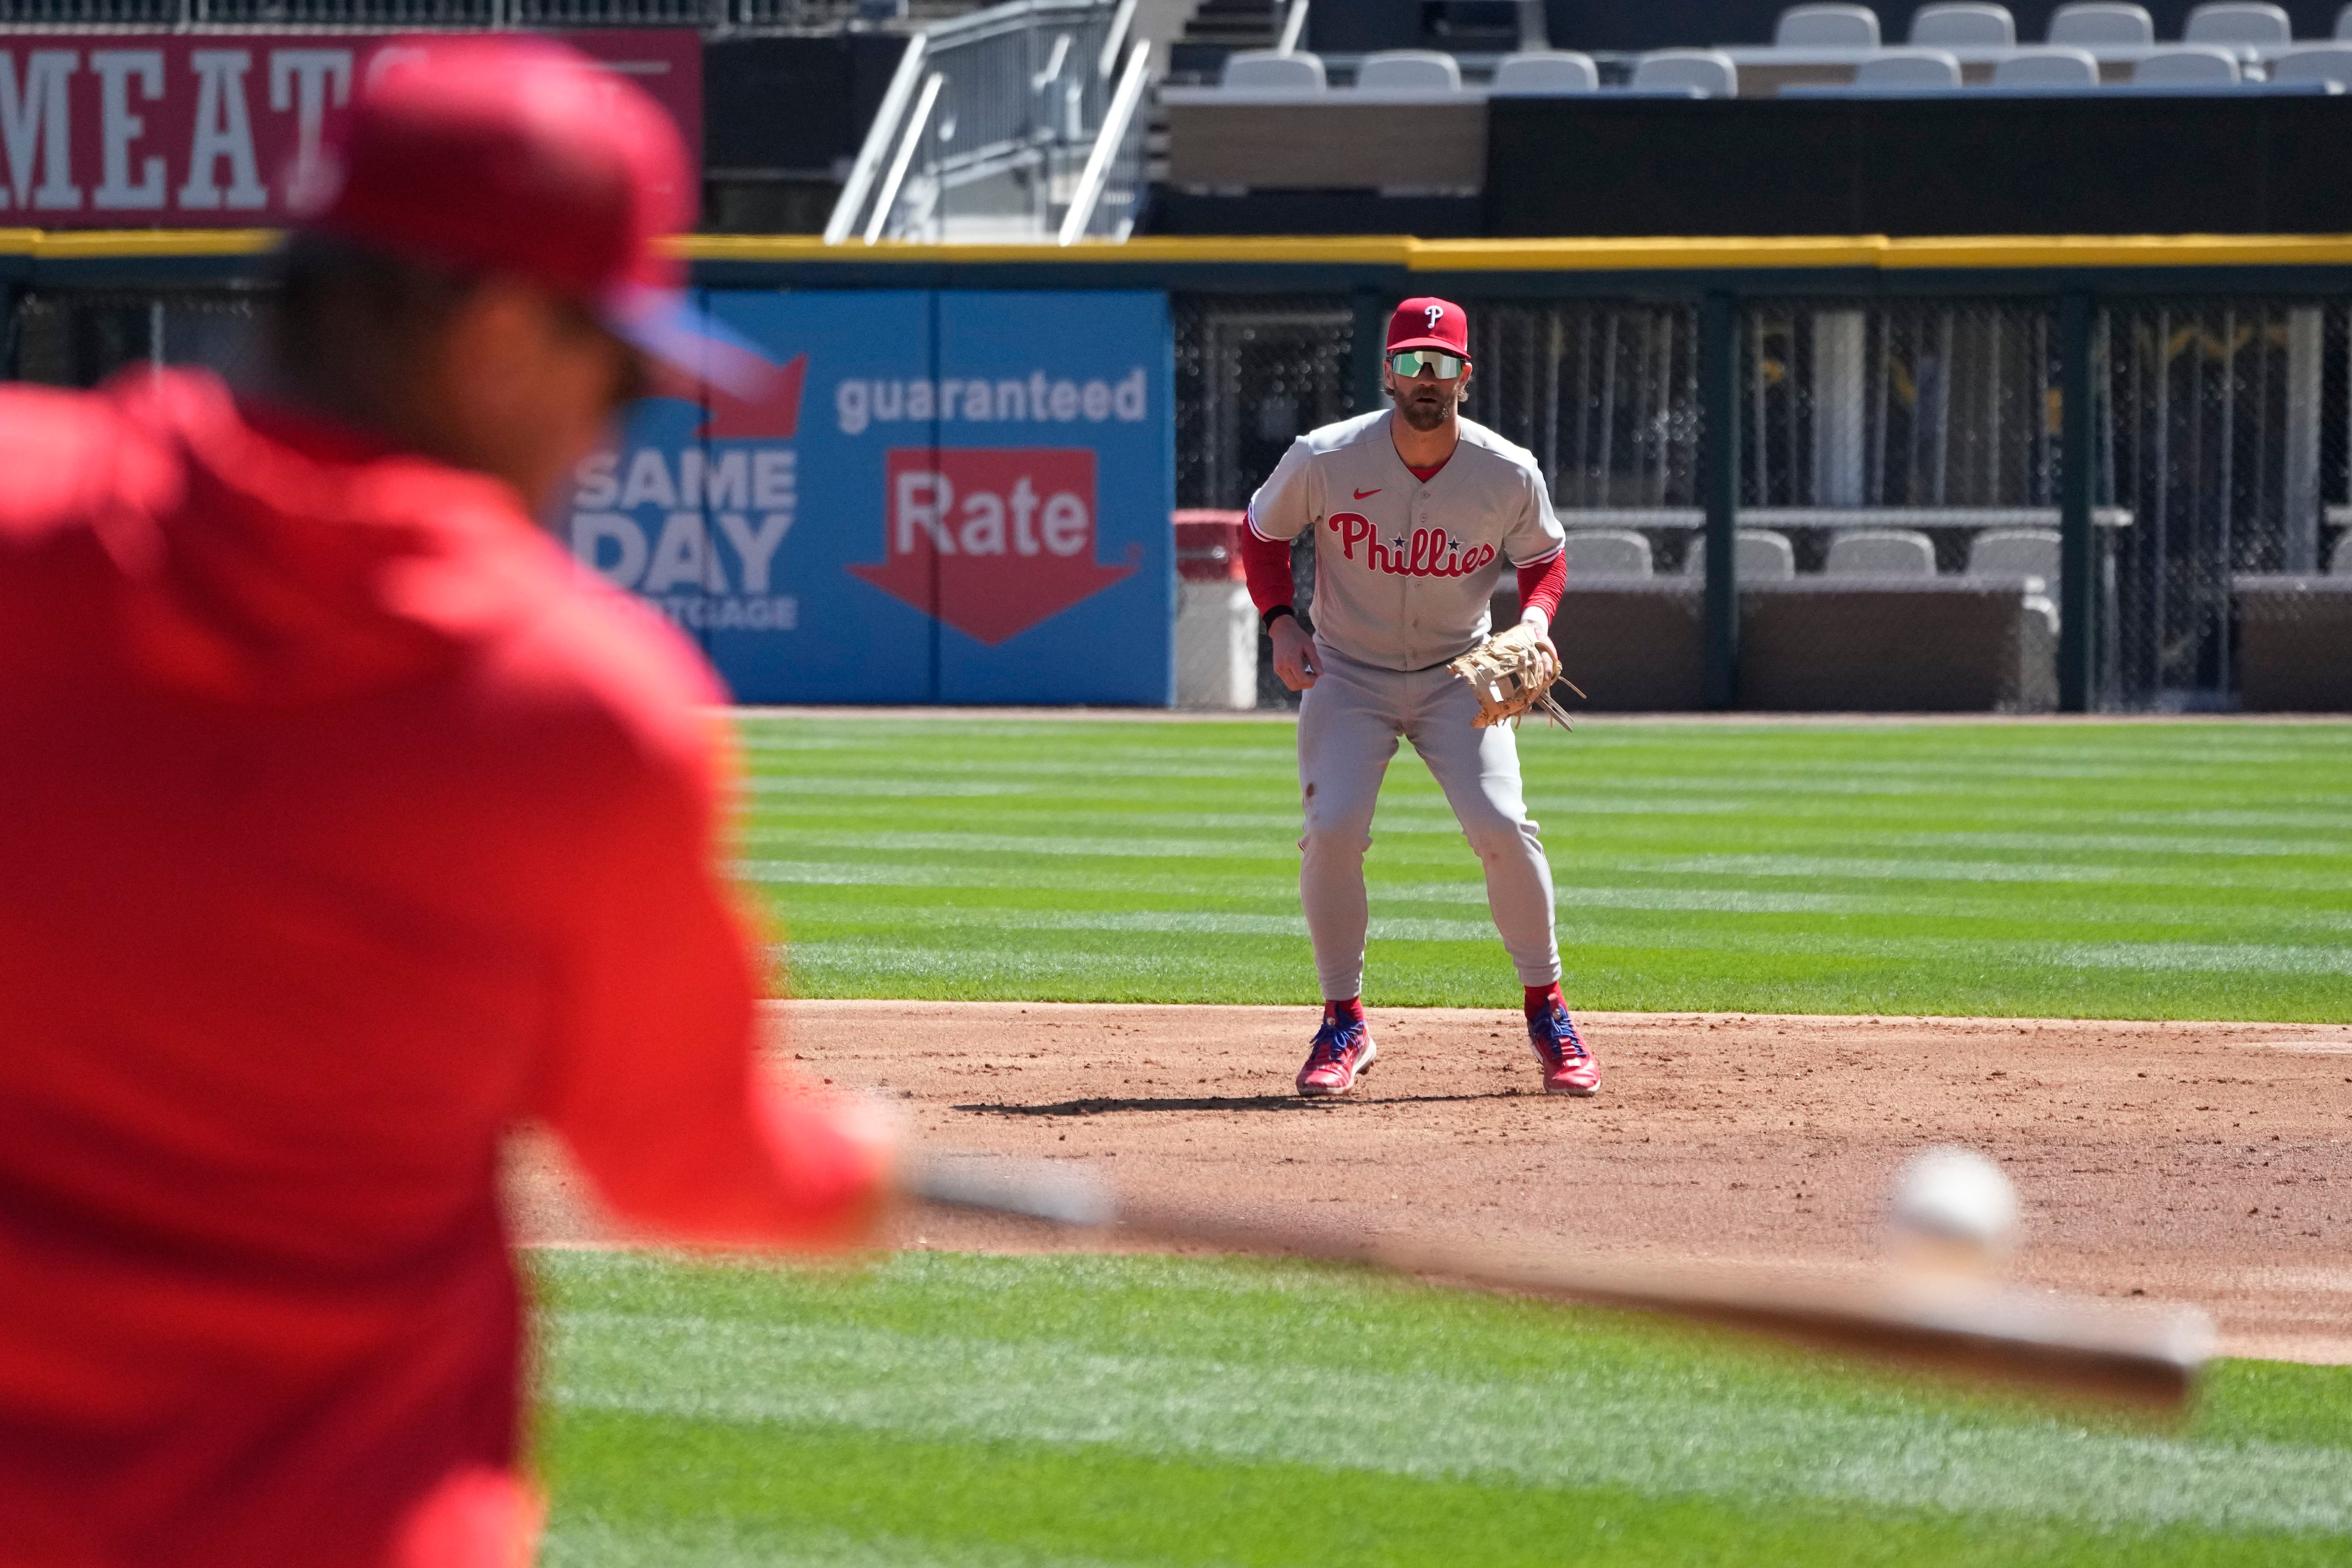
<point x="1415" y="510"/>
<point x="349" y="824"/>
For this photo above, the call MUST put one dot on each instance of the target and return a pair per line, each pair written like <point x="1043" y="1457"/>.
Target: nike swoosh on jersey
<point x="1374" y="491"/>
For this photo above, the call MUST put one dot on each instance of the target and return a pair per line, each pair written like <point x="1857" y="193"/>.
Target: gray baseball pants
<point x="1349" y="724"/>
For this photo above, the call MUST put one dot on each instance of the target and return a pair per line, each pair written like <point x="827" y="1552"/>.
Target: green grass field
<point x="2108" y="871"/>
<point x="985" y="1412"/>
<point x="968" y="1412"/>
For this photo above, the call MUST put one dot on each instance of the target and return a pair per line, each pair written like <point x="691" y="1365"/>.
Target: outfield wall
<point x="2178" y="410"/>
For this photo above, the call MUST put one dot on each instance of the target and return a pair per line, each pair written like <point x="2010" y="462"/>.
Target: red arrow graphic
<point x="991" y="542"/>
<point x="771" y="412"/>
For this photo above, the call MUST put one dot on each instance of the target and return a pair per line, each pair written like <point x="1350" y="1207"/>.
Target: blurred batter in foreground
<point x="347" y="825"/>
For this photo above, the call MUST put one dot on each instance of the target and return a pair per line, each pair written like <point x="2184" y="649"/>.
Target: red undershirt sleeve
<point x="659" y="1089"/>
<point x="1265" y="563"/>
<point x="1542" y="583"/>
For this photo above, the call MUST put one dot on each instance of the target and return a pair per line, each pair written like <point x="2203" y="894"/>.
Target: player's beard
<point x="1423" y="412"/>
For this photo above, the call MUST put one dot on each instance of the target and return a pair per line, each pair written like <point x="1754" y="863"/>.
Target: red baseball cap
<point x="519" y="155"/>
<point x="1429" y="323"/>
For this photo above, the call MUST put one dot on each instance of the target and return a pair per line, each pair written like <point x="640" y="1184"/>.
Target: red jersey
<point x="343" y="824"/>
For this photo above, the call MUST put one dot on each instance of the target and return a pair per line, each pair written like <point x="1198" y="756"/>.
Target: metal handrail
<point x="878" y="139"/>
<point x="1017" y="97"/>
<point x="1116" y="39"/>
<point x="1054" y="64"/>
<point x="1113" y="136"/>
<point x="1294" y="28"/>
<point x="906" y="144"/>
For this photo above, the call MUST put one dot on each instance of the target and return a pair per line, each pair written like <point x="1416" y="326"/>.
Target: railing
<point x="1116" y="167"/>
<point x="991" y="124"/>
<point x="1294" y="28"/>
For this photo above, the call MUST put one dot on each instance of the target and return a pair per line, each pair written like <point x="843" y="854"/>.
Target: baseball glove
<point x="1511" y="673"/>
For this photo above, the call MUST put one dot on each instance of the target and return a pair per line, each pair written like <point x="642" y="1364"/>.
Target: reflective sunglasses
<point x="1410" y="363"/>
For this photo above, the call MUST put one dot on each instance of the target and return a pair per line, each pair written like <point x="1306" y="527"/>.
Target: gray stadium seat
<point x="1881" y="553"/>
<point x="2320" y="62"/>
<point x="2015" y="552"/>
<point x="1826" y="28"/>
<point x="1409" y="70"/>
<point x="2238" y="21"/>
<point x="1708" y="70"/>
<point x="2187" y="64"/>
<point x="2339" y="560"/>
<point x="1964" y="24"/>
<point x="1763" y="556"/>
<point x="1607" y="552"/>
<point x="2048" y="67"/>
<point x="1547" y="71"/>
<point x="1268" y="70"/>
<point x="2344" y="24"/>
<point x="2102" y="24"/>
<point x="1902" y="68"/>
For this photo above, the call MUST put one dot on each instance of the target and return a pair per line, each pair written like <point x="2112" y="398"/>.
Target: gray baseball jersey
<point x="1403" y="569"/>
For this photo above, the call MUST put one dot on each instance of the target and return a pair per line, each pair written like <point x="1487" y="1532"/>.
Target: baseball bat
<point x="2039" y="1341"/>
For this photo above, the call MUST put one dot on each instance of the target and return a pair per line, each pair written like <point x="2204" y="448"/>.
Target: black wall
<point x="1629" y="166"/>
<point x="793" y="106"/>
<point x="783" y="119"/>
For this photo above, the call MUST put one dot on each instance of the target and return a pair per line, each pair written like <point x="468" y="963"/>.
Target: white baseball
<point x="1955" y="1200"/>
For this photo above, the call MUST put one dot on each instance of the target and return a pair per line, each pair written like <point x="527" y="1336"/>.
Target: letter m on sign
<point x="37" y="131"/>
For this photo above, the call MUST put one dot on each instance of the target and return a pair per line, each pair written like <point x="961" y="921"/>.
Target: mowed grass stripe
<point x="1047" y="1410"/>
<point x="2239" y="957"/>
<point x="1017" y="883"/>
<point x="2123" y="870"/>
<point x="1569" y="1426"/>
<point x="995" y="888"/>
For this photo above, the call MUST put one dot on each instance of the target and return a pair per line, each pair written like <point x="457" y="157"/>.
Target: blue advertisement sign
<point x="938" y="496"/>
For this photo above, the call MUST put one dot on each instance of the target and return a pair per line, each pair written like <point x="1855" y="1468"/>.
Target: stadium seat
<point x="2320" y="62"/>
<point x="1964" y="24"/>
<point x="2057" y="67"/>
<point x="1881" y="553"/>
<point x="1606" y="552"/>
<point x="2187" y="64"/>
<point x="2344" y="24"/>
<point x="1710" y="71"/>
<point x="2339" y="560"/>
<point x="1826" y="28"/>
<point x="1269" y="71"/>
<point x="1409" y="70"/>
<point x="1536" y="71"/>
<point x="2015" y="552"/>
<point x="1902" y="68"/>
<point x="1763" y="556"/>
<point x="2102" y="24"/>
<point x="2239" y="23"/>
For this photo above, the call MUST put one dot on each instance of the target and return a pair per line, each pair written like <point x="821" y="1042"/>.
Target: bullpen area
<point x="1801" y="952"/>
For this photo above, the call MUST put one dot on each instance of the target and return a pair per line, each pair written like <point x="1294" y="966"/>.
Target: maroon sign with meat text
<point x="211" y="130"/>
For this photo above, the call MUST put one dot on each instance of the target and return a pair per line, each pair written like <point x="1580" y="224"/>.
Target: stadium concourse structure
<point x="1843" y="473"/>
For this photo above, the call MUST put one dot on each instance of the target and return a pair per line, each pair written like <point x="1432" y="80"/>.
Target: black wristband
<point x="1266" y="622"/>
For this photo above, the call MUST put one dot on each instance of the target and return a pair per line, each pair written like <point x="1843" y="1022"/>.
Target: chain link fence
<point x="78" y="338"/>
<point x="1900" y="469"/>
<point x="2226" y="440"/>
<point x="1253" y="374"/>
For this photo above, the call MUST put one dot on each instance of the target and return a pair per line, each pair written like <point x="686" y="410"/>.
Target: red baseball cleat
<point x="1568" y="1067"/>
<point x="1340" y="1054"/>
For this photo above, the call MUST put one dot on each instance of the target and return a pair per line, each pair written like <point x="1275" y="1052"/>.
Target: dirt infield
<point x="2200" y="1162"/>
